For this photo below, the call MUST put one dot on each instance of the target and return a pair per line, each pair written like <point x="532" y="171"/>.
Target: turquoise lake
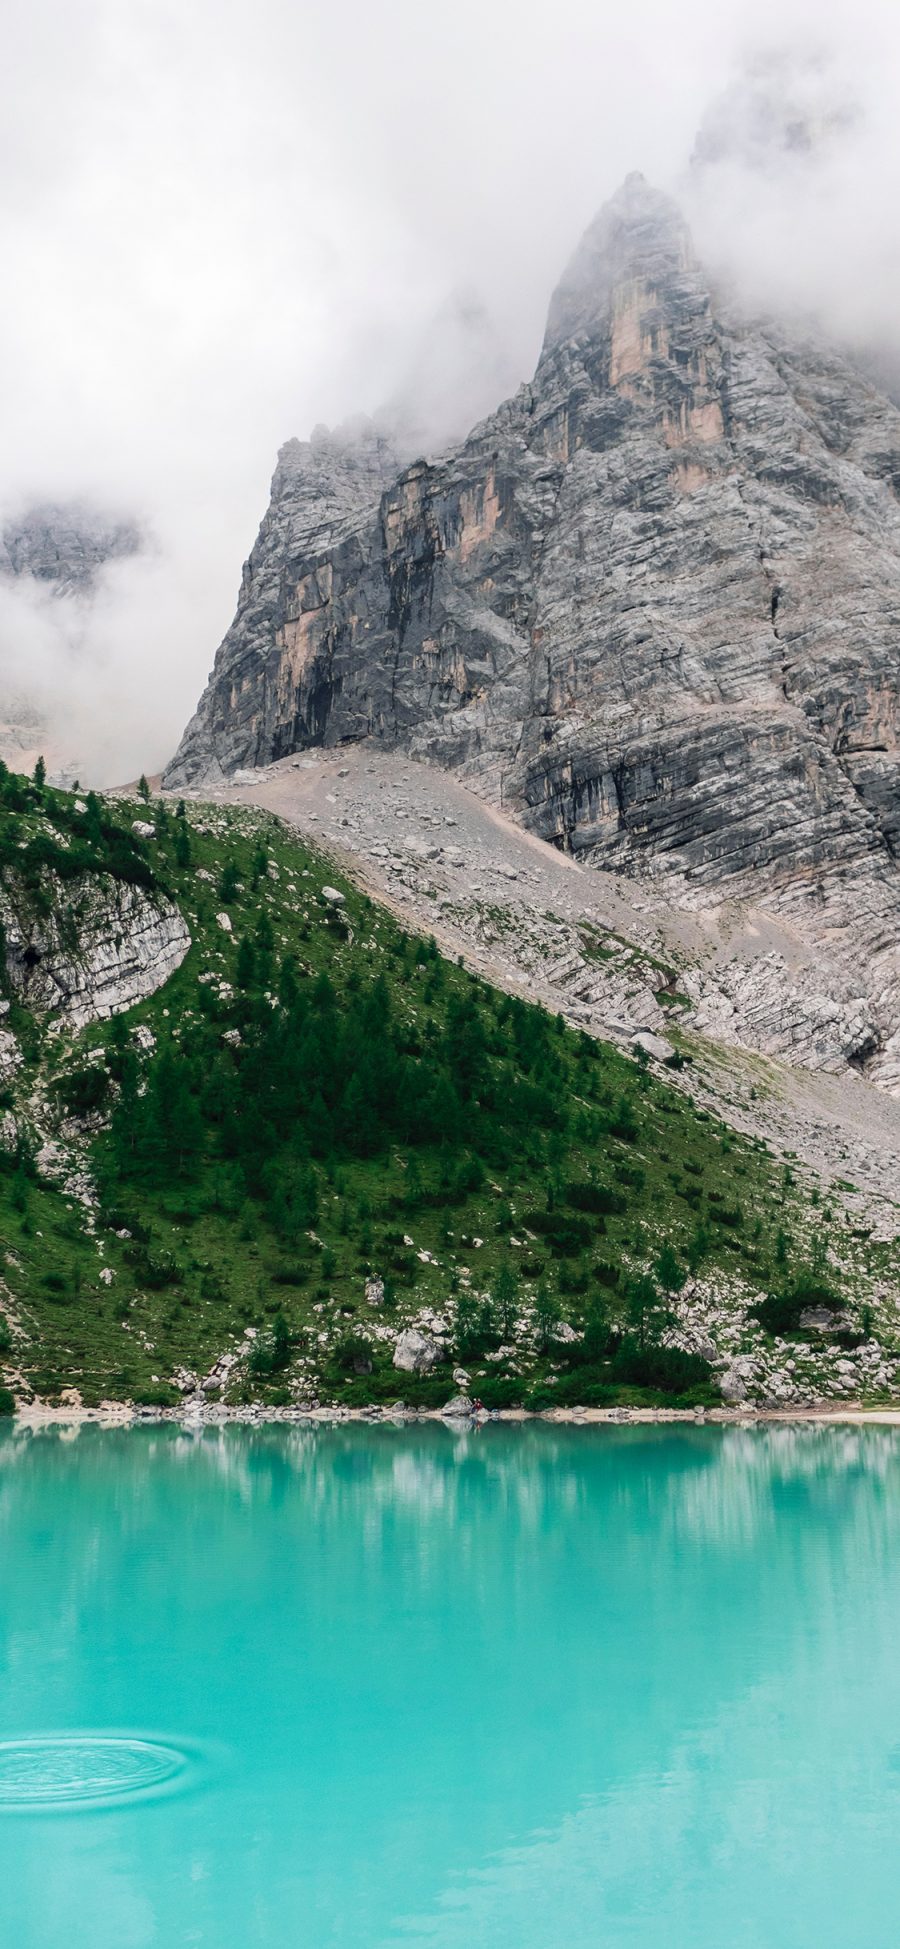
<point x="516" y="1686"/>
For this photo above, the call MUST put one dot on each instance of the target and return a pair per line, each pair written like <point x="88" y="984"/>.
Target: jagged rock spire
<point x="638" y="237"/>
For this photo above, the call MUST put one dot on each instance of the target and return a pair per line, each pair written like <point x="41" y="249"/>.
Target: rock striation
<point x="89" y="947"/>
<point x="651" y="606"/>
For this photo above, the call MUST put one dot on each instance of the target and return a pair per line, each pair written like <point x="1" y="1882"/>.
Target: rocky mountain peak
<point x="651" y="606"/>
<point x="325" y="480"/>
<point x="636" y="247"/>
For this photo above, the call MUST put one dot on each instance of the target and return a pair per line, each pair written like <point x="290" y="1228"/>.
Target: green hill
<point x="317" y="1130"/>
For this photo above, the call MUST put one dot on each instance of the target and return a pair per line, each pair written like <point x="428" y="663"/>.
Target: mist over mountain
<point x="650" y="606"/>
<point x="200" y="271"/>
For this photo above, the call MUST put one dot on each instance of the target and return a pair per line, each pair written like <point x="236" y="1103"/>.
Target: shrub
<point x="623" y="1123"/>
<point x="54" y="1284"/>
<point x="156" y="1269"/>
<point x="669" y="1271"/>
<point x="566" y="1236"/>
<point x="7" y="1401"/>
<point x="586" y="1387"/>
<point x="666" y="1369"/>
<point x="474" y="1331"/>
<point x="352" y="1354"/>
<point x="595" y="1197"/>
<point x="574" y="1279"/>
<point x="599" y="1340"/>
<point x="82" y="1090"/>
<point x="500" y="1391"/>
<point x="778" y="1313"/>
<point x="272" y="1354"/>
<point x="541" y="1397"/>
<point x="155" y="1397"/>
<point x="722" y="1214"/>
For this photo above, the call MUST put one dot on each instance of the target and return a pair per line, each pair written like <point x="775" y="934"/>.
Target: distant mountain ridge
<point x="54" y="551"/>
<point x="64" y="544"/>
<point x="651" y="605"/>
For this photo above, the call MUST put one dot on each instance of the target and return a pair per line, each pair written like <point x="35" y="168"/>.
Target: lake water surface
<point x="524" y="1686"/>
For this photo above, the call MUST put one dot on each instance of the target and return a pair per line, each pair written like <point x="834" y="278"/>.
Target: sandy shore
<point x="121" y="1415"/>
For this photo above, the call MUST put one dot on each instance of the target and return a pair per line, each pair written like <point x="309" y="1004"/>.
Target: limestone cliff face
<point x="89" y="947"/>
<point x="652" y="605"/>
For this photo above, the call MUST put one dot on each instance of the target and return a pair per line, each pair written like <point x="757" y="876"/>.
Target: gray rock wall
<point x="652" y="605"/>
<point x="94" y="947"/>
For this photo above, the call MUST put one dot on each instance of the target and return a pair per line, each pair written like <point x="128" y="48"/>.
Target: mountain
<point x="651" y="606"/>
<point x="50" y="550"/>
<point x="64" y="545"/>
<point x="258" y="1144"/>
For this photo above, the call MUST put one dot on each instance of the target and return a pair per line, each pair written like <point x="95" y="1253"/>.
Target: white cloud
<point x="219" y="227"/>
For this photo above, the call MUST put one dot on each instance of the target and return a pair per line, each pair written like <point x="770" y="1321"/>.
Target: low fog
<point x="221" y="226"/>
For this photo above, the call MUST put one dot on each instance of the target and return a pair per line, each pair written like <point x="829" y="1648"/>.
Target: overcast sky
<point x="221" y="224"/>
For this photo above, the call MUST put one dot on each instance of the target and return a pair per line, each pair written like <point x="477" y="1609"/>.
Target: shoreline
<point x="124" y="1415"/>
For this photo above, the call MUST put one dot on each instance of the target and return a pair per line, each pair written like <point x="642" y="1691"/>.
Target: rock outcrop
<point x="90" y="947"/>
<point x="65" y="546"/>
<point x="415" y="1352"/>
<point x="651" y="606"/>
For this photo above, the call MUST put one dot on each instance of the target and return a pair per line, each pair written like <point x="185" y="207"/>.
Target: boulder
<point x="823" y="1319"/>
<point x="458" y="1407"/>
<point x="652" y="1045"/>
<point x="415" y="1352"/>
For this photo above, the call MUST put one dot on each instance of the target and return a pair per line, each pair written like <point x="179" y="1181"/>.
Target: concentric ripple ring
<point x="72" y="1770"/>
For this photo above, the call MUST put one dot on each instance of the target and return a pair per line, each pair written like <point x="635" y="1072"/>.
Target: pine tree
<point x="646" y="1313"/>
<point x="668" y="1271"/>
<point x="505" y="1295"/>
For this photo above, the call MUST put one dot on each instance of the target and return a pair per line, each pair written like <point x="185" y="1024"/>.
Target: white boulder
<point x="415" y="1352"/>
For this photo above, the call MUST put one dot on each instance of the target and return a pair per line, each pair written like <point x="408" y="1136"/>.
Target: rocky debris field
<point x="610" y="953"/>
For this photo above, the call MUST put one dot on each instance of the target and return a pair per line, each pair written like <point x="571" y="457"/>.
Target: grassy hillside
<point x="317" y="1102"/>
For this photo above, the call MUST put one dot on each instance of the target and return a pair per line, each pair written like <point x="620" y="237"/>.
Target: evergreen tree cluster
<point x="293" y="1070"/>
<point x="90" y="841"/>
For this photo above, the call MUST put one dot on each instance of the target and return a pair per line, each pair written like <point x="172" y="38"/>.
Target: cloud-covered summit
<point x="217" y="234"/>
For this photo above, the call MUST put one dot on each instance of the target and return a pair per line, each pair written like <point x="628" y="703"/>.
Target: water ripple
<point x="74" y="1770"/>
